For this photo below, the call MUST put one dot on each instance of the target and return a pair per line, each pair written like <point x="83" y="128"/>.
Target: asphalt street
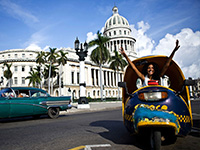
<point x="94" y="128"/>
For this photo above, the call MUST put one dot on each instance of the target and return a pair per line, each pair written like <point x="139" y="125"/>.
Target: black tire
<point x="53" y="112"/>
<point x="155" y="140"/>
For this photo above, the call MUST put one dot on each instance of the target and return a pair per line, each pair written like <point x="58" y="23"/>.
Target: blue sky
<point x="56" y="23"/>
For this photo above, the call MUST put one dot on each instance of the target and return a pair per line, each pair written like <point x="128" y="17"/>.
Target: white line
<point x="88" y="147"/>
<point x="195" y="114"/>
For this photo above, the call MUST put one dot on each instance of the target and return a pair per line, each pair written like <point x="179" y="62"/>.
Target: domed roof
<point x="116" y="20"/>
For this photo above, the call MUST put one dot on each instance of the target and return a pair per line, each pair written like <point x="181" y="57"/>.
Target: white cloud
<point x="187" y="57"/>
<point x="90" y="37"/>
<point x="144" y="44"/>
<point x="18" y="12"/>
<point x="33" y="47"/>
<point x="36" y="38"/>
<point x="188" y="54"/>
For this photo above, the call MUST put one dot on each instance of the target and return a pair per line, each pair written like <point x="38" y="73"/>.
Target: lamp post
<point x="82" y="53"/>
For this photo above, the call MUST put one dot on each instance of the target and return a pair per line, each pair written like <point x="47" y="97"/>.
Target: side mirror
<point x="123" y="85"/>
<point x="189" y="82"/>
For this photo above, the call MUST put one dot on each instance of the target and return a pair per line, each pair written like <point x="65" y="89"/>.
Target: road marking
<point x="77" y="148"/>
<point x="195" y="114"/>
<point x="89" y="147"/>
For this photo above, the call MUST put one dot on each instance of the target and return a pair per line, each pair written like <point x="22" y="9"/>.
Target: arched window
<point x="114" y="20"/>
<point x="119" y="21"/>
<point x="110" y="22"/>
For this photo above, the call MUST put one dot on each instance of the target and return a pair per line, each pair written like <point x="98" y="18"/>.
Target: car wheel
<point x="155" y="140"/>
<point x="53" y="112"/>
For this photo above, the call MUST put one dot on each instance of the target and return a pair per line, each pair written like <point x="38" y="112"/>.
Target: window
<point x="114" y="32"/>
<point x="23" y="80"/>
<point x="124" y="32"/>
<point x="114" y="20"/>
<point x="23" y="68"/>
<point x="23" y="55"/>
<point x="120" y="32"/>
<point x="94" y="93"/>
<point x="15" y="55"/>
<point x="72" y="77"/>
<point x="109" y="33"/>
<point x="31" y="68"/>
<point x="15" y="68"/>
<point x="78" y="77"/>
<point x="31" y="55"/>
<point x="8" y="55"/>
<point x="97" y="78"/>
<point x="92" y="76"/>
<point x="15" y="80"/>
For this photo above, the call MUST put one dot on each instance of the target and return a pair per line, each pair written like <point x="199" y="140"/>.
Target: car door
<point x="37" y="98"/>
<point x="22" y="105"/>
<point x="4" y="107"/>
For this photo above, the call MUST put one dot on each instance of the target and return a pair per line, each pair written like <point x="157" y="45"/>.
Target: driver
<point x="150" y="70"/>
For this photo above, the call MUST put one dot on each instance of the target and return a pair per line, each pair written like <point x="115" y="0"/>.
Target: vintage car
<point x="28" y="101"/>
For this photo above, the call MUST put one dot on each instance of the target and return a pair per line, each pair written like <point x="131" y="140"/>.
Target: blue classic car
<point x="28" y="101"/>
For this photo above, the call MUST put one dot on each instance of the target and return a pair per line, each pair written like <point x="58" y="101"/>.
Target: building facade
<point x="23" y="61"/>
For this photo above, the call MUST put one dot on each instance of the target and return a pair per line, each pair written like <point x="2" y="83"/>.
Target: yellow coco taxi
<point x="157" y="110"/>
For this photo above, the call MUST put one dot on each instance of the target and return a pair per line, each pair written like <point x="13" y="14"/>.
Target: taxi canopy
<point x="174" y="73"/>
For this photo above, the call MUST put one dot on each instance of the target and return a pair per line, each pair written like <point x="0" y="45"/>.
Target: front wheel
<point x="155" y="139"/>
<point x="53" y="112"/>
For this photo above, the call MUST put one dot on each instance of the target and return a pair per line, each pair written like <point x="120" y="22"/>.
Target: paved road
<point x="102" y="130"/>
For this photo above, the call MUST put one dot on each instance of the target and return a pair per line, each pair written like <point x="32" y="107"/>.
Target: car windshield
<point x="7" y="93"/>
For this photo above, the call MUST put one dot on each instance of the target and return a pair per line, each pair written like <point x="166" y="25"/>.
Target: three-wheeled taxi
<point x="162" y="112"/>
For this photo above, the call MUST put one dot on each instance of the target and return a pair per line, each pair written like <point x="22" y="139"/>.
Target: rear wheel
<point x="155" y="140"/>
<point x="53" y="112"/>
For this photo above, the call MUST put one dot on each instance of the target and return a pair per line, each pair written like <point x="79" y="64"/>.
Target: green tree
<point x="40" y="59"/>
<point x="52" y="74"/>
<point x="8" y="73"/>
<point x="51" y="58"/>
<point x="117" y="63"/>
<point x="62" y="60"/>
<point x="100" y="55"/>
<point x="33" y="78"/>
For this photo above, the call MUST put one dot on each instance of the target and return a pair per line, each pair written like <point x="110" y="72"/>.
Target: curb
<point x="94" y="106"/>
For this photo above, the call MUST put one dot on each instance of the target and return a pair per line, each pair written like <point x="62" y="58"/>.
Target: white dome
<point x="116" y="20"/>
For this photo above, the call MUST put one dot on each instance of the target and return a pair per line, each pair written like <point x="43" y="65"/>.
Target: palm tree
<point x="51" y="58"/>
<point x="62" y="60"/>
<point x="8" y="73"/>
<point x="33" y="78"/>
<point x="48" y="74"/>
<point x="100" y="55"/>
<point x="40" y="59"/>
<point x="117" y="63"/>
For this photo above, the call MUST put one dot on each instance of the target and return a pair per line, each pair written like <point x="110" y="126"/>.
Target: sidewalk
<point x="94" y="106"/>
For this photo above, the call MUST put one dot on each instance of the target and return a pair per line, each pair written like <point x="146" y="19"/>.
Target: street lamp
<point x="82" y="53"/>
